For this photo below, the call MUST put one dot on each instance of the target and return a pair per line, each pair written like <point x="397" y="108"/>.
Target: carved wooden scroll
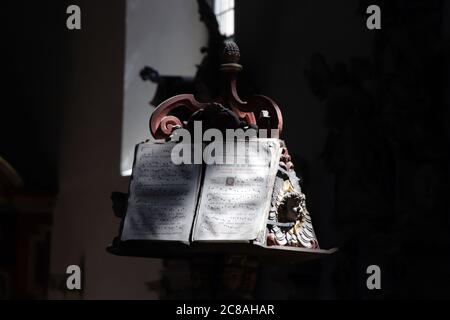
<point x="258" y="110"/>
<point x="289" y="223"/>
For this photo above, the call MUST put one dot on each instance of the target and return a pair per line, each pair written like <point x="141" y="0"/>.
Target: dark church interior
<point x="366" y="119"/>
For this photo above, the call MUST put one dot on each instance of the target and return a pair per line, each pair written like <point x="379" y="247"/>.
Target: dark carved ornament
<point x="258" y="110"/>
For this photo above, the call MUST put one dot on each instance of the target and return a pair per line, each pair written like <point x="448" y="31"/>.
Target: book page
<point x="235" y="198"/>
<point x="163" y="196"/>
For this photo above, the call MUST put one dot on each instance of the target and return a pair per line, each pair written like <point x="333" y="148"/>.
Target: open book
<point x="201" y="202"/>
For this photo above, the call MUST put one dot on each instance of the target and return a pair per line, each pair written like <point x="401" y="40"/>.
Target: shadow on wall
<point x="89" y="160"/>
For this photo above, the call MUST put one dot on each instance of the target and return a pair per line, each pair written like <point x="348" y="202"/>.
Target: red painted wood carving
<point x="258" y="110"/>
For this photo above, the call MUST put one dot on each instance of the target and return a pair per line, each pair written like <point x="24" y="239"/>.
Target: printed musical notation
<point x="162" y="196"/>
<point x="219" y="196"/>
<point x="230" y="211"/>
<point x="232" y="204"/>
<point x="160" y="220"/>
<point x="234" y="199"/>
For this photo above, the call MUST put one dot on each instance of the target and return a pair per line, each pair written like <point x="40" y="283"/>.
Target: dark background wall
<point x="32" y="55"/>
<point x="62" y="130"/>
<point x="366" y="121"/>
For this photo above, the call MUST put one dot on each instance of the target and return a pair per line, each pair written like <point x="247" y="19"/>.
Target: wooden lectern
<point x="179" y="112"/>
